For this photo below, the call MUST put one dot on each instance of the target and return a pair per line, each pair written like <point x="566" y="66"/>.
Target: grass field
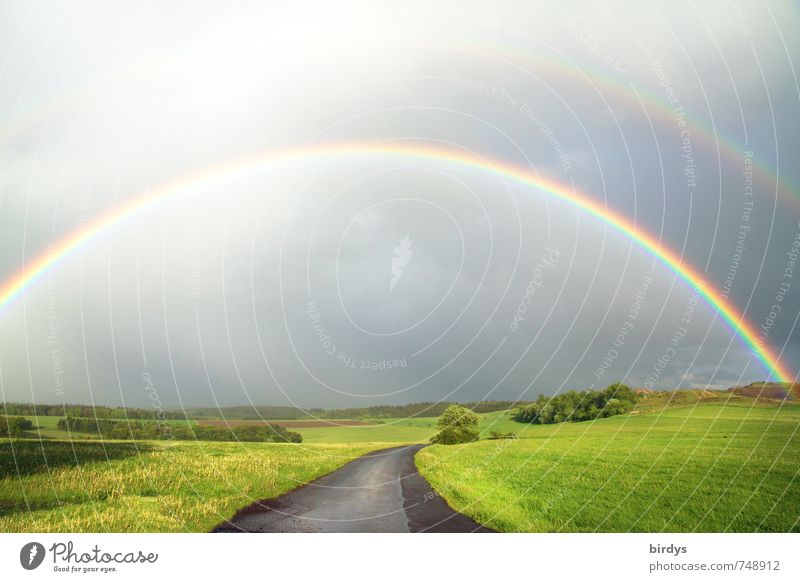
<point x="46" y="427"/>
<point x="694" y="468"/>
<point x="406" y="430"/>
<point x="388" y="433"/>
<point x="305" y="423"/>
<point x="118" y="486"/>
<point x="683" y="461"/>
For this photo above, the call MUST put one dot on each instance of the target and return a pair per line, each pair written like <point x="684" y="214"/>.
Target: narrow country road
<point x="379" y="492"/>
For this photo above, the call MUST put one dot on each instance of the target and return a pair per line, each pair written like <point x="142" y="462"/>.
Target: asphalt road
<point x="379" y="492"/>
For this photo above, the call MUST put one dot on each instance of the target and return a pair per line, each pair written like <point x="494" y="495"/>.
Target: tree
<point x="456" y="425"/>
<point x="575" y="406"/>
<point x="14" y="426"/>
<point x="614" y="406"/>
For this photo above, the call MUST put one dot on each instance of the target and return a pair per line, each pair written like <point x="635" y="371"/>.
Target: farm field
<point x="388" y="433"/>
<point x="682" y="461"/>
<point x="320" y="423"/>
<point x="406" y="430"/>
<point x="46" y="427"/>
<point x="313" y="431"/>
<point x="146" y="486"/>
<point x="393" y="430"/>
<point x="695" y="468"/>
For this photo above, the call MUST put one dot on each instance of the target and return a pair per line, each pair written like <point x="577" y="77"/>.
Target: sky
<point x="343" y="279"/>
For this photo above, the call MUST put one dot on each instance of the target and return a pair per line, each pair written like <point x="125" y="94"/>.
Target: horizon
<point x="387" y="404"/>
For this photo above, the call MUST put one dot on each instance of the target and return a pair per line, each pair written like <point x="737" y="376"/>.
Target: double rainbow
<point x="15" y="286"/>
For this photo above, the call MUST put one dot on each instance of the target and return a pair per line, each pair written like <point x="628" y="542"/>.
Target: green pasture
<point x="706" y="468"/>
<point x="147" y="486"/>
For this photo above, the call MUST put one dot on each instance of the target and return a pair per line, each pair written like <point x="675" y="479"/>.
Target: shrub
<point x="14" y="426"/>
<point x="136" y="429"/>
<point x="575" y="406"/>
<point x="456" y="425"/>
<point x="495" y="435"/>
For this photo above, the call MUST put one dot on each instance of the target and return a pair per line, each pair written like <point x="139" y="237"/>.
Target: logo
<point x="31" y="555"/>
<point x="402" y="255"/>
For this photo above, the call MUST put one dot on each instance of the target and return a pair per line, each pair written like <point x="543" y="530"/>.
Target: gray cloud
<point x="271" y="284"/>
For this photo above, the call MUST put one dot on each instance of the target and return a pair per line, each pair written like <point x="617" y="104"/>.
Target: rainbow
<point x="710" y="138"/>
<point x="16" y="285"/>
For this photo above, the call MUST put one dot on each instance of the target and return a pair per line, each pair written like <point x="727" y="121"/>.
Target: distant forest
<point x="86" y="411"/>
<point x="371" y="412"/>
<point x="248" y="412"/>
<point x="119" y="429"/>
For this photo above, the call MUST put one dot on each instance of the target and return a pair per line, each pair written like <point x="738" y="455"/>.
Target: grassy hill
<point x="688" y="460"/>
<point x="406" y="430"/>
<point x="116" y="486"/>
<point x="701" y="468"/>
<point x="418" y="429"/>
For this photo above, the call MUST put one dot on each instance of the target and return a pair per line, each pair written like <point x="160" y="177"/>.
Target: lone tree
<point x="456" y="425"/>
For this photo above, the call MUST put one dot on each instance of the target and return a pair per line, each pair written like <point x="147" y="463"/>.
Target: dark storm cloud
<point x="293" y="284"/>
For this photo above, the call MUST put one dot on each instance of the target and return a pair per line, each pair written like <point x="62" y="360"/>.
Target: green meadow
<point x="405" y="430"/>
<point x="396" y="430"/>
<point x="683" y="461"/>
<point x="704" y="468"/>
<point x="121" y="486"/>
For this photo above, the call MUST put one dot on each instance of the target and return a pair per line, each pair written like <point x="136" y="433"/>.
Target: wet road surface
<point x="379" y="492"/>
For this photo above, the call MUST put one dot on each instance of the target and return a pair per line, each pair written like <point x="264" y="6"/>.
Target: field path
<point x="379" y="492"/>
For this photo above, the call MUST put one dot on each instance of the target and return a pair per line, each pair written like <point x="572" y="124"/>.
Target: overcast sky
<point x="354" y="280"/>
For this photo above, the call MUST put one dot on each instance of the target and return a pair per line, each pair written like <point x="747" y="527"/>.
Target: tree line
<point x="576" y="406"/>
<point x="139" y="430"/>
<point x="369" y="412"/>
<point x="259" y="412"/>
<point x="86" y="411"/>
<point x="416" y="409"/>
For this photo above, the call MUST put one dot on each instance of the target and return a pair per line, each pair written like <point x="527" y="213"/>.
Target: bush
<point x="495" y="435"/>
<point x="575" y="406"/>
<point x="14" y="426"/>
<point x="142" y="430"/>
<point x="456" y="425"/>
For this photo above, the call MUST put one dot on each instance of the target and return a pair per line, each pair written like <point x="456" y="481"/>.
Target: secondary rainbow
<point x="16" y="285"/>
